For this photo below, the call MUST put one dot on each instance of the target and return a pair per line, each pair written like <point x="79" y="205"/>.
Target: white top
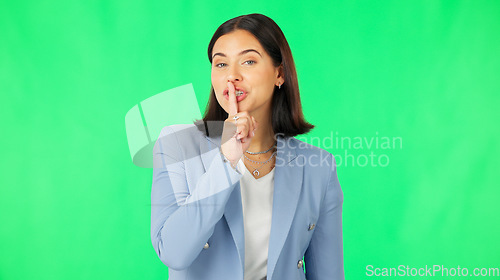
<point x="257" y="203"/>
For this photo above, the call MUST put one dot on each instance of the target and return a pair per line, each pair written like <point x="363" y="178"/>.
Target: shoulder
<point x="180" y="132"/>
<point x="181" y="137"/>
<point x="309" y="151"/>
<point x="178" y="128"/>
<point x="317" y="161"/>
<point x="319" y="167"/>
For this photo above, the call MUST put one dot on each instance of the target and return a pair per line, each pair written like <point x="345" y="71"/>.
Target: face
<point x="239" y="57"/>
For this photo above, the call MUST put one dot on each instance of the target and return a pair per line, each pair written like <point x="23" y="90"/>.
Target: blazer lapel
<point x="287" y="187"/>
<point x="234" y="217"/>
<point x="233" y="211"/>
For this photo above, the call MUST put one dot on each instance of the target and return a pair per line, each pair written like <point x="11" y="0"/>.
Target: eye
<point x="218" y="65"/>
<point x="253" y="62"/>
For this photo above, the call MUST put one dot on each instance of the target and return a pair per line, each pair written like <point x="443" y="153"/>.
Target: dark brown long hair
<point x="287" y="118"/>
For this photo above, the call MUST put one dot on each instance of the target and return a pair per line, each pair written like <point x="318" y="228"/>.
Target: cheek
<point x="266" y="84"/>
<point x="266" y="78"/>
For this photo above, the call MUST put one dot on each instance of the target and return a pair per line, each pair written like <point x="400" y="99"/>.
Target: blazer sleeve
<point x="182" y="220"/>
<point x="324" y="256"/>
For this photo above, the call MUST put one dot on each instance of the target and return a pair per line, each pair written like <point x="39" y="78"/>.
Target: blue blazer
<point x="197" y="220"/>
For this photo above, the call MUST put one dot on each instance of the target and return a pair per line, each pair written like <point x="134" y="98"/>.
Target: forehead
<point x="233" y="43"/>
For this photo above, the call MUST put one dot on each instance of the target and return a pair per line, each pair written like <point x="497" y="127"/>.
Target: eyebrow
<point x="241" y="53"/>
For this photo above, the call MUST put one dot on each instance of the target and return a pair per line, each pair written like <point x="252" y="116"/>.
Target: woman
<point x="236" y="196"/>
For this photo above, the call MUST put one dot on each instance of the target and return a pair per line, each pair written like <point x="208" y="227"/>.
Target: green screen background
<point x="73" y="206"/>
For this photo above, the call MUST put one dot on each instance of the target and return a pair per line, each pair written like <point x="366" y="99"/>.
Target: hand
<point x="236" y="138"/>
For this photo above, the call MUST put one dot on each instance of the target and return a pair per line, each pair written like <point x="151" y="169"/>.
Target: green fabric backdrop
<point x="423" y="73"/>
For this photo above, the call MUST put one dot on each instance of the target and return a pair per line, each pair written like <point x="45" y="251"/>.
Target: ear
<point x="280" y="75"/>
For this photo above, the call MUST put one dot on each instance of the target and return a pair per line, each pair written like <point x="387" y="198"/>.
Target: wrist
<point x="233" y="163"/>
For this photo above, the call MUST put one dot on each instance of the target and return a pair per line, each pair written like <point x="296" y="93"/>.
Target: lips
<point x="238" y="98"/>
<point x="226" y="91"/>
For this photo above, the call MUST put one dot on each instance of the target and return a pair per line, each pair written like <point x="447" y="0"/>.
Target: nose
<point x="233" y="74"/>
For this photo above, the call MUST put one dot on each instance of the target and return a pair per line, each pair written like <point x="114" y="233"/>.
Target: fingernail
<point x="253" y="134"/>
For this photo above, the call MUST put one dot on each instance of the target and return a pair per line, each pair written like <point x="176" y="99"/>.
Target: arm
<point x="182" y="220"/>
<point x="324" y="256"/>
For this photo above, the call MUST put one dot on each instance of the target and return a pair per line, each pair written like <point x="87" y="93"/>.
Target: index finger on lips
<point x="233" y="104"/>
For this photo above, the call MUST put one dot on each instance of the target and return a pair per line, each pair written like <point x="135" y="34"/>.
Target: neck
<point x="264" y="136"/>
